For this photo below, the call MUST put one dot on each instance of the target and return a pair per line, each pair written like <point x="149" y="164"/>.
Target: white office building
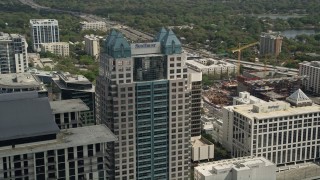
<point x="57" y="48"/>
<point x="212" y="66"/>
<point x="249" y="168"/>
<point x="282" y="132"/>
<point x="43" y="31"/>
<point x="94" y="25"/>
<point x="92" y="45"/>
<point x="13" y="53"/>
<point x="245" y="98"/>
<point x="312" y="70"/>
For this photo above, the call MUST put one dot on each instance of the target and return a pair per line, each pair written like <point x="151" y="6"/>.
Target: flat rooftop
<point x="25" y="115"/>
<point x="197" y="141"/>
<point x="237" y="164"/>
<point x="71" y="105"/>
<point x="215" y="63"/>
<point x="23" y="80"/>
<point x="66" y="138"/>
<point x="247" y="110"/>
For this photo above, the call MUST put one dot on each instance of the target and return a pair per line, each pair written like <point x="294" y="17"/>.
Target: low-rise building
<point x="21" y="82"/>
<point x="212" y="66"/>
<point x="312" y="70"/>
<point x="69" y="113"/>
<point x="57" y="48"/>
<point x="67" y="86"/>
<point x="92" y="45"/>
<point x="94" y="25"/>
<point x="283" y="132"/>
<point x="33" y="147"/>
<point x="202" y="149"/>
<point x="213" y="126"/>
<point x="252" y="168"/>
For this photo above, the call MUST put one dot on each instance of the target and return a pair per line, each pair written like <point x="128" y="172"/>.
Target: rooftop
<point x="23" y="80"/>
<point x="237" y="164"/>
<point x="299" y="97"/>
<point x="272" y="109"/>
<point x="43" y="21"/>
<point x="71" y="105"/>
<point x="312" y="63"/>
<point x="9" y="37"/>
<point x="209" y="63"/>
<point x="198" y="141"/>
<point x="25" y="115"/>
<point x="66" y="138"/>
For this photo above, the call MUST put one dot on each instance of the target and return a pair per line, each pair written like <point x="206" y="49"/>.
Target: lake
<point x="292" y="33"/>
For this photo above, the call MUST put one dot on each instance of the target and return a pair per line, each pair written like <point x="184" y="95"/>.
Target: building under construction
<point x="270" y="89"/>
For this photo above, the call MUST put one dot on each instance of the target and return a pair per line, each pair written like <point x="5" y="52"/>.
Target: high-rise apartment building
<point x="33" y="147"/>
<point x="312" y="70"/>
<point x="282" y="132"/>
<point x="13" y="53"/>
<point x="270" y="43"/>
<point x="143" y="95"/>
<point x="195" y="86"/>
<point x="57" y="48"/>
<point x="43" y="31"/>
<point x="92" y="45"/>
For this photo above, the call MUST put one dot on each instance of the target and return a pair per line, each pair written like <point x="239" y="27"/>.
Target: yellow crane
<point x="239" y="49"/>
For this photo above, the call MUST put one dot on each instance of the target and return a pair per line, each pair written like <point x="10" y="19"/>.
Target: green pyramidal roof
<point x="162" y="33"/>
<point x="171" y="37"/>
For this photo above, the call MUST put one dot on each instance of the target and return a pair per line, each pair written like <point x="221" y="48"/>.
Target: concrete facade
<point x="13" y="53"/>
<point x="249" y="168"/>
<point x="57" y="48"/>
<point x="312" y="70"/>
<point x="270" y="43"/>
<point x="281" y="132"/>
<point x="212" y="66"/>
<point x="43" y="31"/>
<point x="96" y="25"/>
<point x="92" y="45"/>
<point x="202" y="149"/>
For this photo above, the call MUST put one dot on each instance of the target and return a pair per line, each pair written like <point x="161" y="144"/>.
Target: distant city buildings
<point x="92" y="45"/>
<point x="94" y="25"/>
<point x="236" y="169"/>
<point x="67" y="86"/>
<point x="212" y="66"/>
<point x="57" y="48"/>
<point x="312" y="70"/>
<point x="13" y="53"/>
<point x="143" y="95"/>
<point x="246" y="98"/>
<point x="270" y="43"/>
<point x="43" y="31"/>
<point x="282" y="132"/>
<point x="33" y="147"/>
<point x="21" y="82"/>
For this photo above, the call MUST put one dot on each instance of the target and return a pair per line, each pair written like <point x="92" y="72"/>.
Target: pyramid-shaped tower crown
<point x="299" y="98"/>
<point x="117" y="46"/>
<point x="170" y="44"/>
<point x="161" y="34"/>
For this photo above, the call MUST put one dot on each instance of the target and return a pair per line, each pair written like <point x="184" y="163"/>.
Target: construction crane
<point x="239" y="49"/>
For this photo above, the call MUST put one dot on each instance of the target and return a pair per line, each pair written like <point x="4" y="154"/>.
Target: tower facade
<point x="270" y="43"/>
<point x="142" y="95"/>
<point x="13" y="53"/>
<point x="44" y="31"/>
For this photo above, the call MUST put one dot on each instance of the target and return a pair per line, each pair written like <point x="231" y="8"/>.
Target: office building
<point x="13" y="53"/>
<point x="43" y="31"/>
<point x="143" y="96"/>
<point x="312" y="70"/>
<point x="212" y="66"/>
<point x="10" y="83"/>
<point x="69" y="113"/>
<point x="195" y="83"/>
<point x="57" y="48"/>
<point x="282" y="132"/>
<point x="33" y="147"/>
<point x="94" y="25"/>
<point x="67" y="86"/>
<point x="92" y="45"/>
<point x="236" y="169"/>
<point x="270" y="43"/>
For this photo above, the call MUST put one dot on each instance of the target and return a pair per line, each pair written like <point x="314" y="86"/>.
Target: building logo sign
<point x="145" y="45"/>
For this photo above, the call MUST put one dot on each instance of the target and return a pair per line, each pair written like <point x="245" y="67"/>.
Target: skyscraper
<point x="142" y="95"/>
<point x="44" y="31"/>
<point x="13" y="53"/>
<point x="270" y="43"/>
